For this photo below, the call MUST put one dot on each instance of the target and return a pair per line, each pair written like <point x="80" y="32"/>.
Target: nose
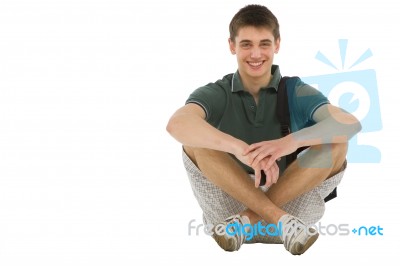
<point x="255" y="52"/>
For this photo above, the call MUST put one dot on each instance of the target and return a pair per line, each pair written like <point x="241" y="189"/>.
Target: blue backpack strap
<point x="282" y="107"/>
<point x="283" y="114"/>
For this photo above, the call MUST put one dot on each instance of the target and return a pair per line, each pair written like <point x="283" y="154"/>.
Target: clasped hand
<point x="262" y="156"/>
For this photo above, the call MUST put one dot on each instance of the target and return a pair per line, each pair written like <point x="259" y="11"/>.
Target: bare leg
<point x="222" y="170"/>
<point x="316" y="165"/>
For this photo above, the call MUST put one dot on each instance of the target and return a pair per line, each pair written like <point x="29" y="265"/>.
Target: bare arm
<point x="188" y="126"/>
<point x="333" y="126"/>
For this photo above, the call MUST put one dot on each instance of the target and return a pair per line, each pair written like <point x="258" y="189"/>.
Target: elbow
<point x="358" y="126"/>
<point x="355" y="126"/>
<point x="171" y="126"/>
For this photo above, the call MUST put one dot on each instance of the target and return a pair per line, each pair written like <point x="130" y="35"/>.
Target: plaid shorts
<point x="218" y="205"/>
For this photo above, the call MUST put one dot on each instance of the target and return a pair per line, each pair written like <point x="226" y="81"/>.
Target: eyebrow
<point x="264" y="40"/>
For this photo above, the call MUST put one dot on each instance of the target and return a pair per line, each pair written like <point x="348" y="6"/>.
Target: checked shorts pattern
<point x="218" y="205"/>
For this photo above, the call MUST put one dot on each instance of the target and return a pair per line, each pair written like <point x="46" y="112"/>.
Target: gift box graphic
<point x="357" y="93"/>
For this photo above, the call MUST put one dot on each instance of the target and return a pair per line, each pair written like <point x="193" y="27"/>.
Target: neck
<point x="254" y="85"/>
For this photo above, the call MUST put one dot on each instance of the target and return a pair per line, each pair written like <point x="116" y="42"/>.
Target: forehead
<point x="254" y="34"/>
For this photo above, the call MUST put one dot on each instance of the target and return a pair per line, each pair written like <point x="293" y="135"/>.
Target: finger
<point x="271" y="161"/>
<point x="257" y="177"/>
<point x="264" y="163"/>
<point x="257" y="159"/>
<point x="252" y="156"/>
<point x="265" y="152"/>
<point x="268" y="172"/>
<point x="250" y="148"/>
<point x="261" y="156"/>
<point x="253" y="147"/>
<point x="275" y="172"/>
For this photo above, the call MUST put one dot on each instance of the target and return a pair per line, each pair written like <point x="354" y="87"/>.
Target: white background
<point x="88" y="173"/>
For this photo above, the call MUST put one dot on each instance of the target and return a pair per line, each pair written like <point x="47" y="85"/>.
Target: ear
<point x="277" y="45"/>
<point x="232" y="46"/>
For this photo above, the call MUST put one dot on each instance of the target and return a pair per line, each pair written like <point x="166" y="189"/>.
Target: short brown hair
<point x="254" y="15"/>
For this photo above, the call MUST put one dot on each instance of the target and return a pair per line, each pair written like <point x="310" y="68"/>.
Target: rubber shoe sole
<point x="227" y="244"/>
<point x="299" y="248"/>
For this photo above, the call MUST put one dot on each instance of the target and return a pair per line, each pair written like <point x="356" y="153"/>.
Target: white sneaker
<point x="296" y="236"/>
<point x="235" y="241"/>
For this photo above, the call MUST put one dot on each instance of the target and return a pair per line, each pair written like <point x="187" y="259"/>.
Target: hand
<point x="269" y="167"/>
<point x="271" y="151"/>
<point x="272" y="173"/>
<point x="239" y="150"/>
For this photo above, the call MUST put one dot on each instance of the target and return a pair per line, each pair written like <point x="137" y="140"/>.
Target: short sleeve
<point x="212" y="98"/>
<point x="304" y="100"/>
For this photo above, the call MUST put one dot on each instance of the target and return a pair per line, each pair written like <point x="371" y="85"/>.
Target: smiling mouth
<point x="255" y="64"/>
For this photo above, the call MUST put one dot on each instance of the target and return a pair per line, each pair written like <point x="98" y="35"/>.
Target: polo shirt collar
<point x="274" y="83"/>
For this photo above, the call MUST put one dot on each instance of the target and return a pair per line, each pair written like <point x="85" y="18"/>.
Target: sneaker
<point x="235" y="241"/>
<point x="296" y="236"/>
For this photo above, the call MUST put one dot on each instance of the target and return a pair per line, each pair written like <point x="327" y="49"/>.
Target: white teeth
<point x="255" y="64"/>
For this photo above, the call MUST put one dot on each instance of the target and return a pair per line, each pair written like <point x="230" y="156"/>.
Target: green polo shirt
<point x="231" y="109"/>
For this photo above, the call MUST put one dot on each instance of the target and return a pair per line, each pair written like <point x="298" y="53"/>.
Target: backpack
<point x="283" y="114"/>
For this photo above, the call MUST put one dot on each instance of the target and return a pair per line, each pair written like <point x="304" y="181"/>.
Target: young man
<point x="230" y="134"/>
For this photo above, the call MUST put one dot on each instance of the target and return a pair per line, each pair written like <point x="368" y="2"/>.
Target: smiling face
<point x="254" y="48"/>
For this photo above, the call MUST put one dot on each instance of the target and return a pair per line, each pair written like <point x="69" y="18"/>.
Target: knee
<point x="330" y="156"/>
<point x="196" y="154"/>
<point x="339" y="152"/>
<point x="190" y="152"/>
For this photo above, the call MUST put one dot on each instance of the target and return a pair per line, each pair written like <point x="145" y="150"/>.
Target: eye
<point x="245" y="45"/>
<point x="265" y="44"/>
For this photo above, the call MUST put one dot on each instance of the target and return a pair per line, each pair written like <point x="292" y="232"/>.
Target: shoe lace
<point x="291" y="230"/>
<point x="239" y="235"/>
